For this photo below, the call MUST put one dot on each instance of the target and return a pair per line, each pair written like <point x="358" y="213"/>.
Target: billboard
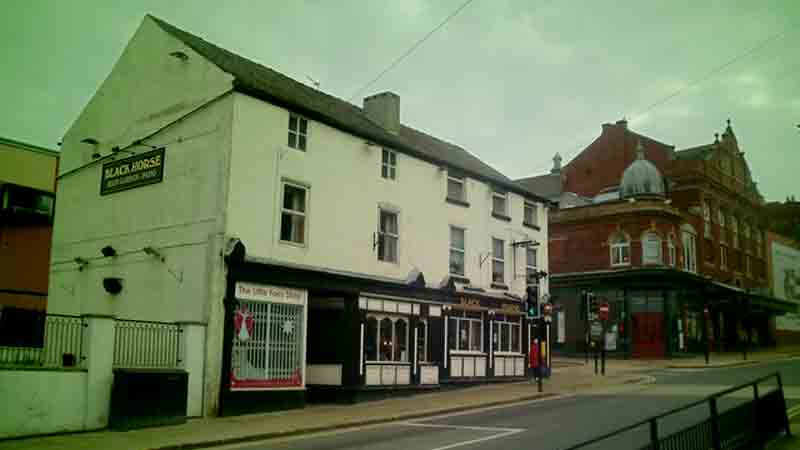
<point x="786" y="282"/>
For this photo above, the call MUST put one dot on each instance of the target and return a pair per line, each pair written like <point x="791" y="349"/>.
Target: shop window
<point x="530" y="214"/>
<point x="371" y="341"/>
<point x="506" y="334"/>
<point x="293" y="214"/>
<point x="267" y="350"/>
<point x="457" y="251"/>
<point x="422" y="341"/>
<point x="465" y="331"/>
<point x="388" y="236"/>
<point x="498" y="261"/>
<point x="386" y="338"/>
<point x="500" y="203"/>
<point x="651" y="248"/>
<point x="298" y="132"/>
<point x="620" y="250"/>
<point x="388" y="164"/>
<point x="456" y="188"/>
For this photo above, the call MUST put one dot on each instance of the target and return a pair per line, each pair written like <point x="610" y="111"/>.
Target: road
<point x="555" y="423"/>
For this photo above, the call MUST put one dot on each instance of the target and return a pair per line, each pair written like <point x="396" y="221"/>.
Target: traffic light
<point x="532" y="301"/>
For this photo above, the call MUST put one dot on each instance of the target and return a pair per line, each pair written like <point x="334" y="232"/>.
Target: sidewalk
<point x="216" y="431"/>
<point x="732" y="359"/>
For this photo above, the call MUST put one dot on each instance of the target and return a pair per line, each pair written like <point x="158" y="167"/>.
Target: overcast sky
<point x="512" y="81"/>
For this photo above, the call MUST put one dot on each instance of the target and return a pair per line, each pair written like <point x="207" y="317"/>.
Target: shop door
<point x="648" y="335"/>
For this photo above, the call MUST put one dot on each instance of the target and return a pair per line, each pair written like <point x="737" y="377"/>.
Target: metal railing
<point x="747" y="425"/>
<point x="61" y="344"/>
<point x="145" y="344"/>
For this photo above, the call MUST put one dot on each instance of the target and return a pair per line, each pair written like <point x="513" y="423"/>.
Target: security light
<point x="108" y="251"/>
<point x="179" y="55"/>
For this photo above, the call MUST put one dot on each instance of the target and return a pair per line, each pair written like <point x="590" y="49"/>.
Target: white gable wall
<point x="146" y="89"/>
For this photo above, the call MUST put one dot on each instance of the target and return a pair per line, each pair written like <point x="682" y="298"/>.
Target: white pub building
<point x="328" y="252"/>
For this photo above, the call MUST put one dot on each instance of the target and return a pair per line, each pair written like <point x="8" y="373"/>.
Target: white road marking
<point x="503" y="433"/>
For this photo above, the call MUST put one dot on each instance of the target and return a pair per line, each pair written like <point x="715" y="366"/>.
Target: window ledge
<point x="498" y="353"/>
<point x="499" y="286"/>
<point x="530" y="225"/>
<point x="387" y="363"/>
<point x="501" y="216"/>
<point x="456" y="201"/>
<point x="292" y="243"/>
<point x="466" y="353"/>
<point x="459" y="278"/>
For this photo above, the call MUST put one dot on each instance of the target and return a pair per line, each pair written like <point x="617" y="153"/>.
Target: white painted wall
<point x="42" y="401"/>
<point x="346" y="190"/>
<point x="146" y="89"/>
<point x="177" y="217"/>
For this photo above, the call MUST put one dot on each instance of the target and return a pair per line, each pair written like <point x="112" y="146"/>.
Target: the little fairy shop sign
<point x="140" y="170"/>
<point x="266" y="293"/>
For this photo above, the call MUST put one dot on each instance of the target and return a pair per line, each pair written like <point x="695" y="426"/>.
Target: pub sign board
<point x="139" y="170"/>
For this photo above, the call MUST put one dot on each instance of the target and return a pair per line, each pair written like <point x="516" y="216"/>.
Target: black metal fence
<point x="748" y="425"/>
<point x="145" y="344"/>
<point x="59" y="343"/>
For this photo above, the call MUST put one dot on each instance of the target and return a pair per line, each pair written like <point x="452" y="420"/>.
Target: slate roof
<point x="702" y="152"/>
<point x="256" y="80"/>
<point x="548" y="185"/>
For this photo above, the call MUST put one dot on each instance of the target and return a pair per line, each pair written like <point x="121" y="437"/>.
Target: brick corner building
<point x="660" y="235"/>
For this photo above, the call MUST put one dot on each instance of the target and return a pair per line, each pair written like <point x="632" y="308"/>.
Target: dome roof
<point x="641" y="178"/>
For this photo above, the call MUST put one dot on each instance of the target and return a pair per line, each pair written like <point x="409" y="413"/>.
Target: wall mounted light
<point x="89" y="140"/>
<point x="179" y="55"/>
<point x="153" y="252"/>
<point x="108" y="251"/>
<point x="81" y="263"/>
<point x="112" y="285"/>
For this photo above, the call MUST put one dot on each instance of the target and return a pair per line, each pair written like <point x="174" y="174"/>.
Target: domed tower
<point x="642" y="178"/>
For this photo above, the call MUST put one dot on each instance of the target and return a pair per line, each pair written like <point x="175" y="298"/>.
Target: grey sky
<point x="512" y="81"/>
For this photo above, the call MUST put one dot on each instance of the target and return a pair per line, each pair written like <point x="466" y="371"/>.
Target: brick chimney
<point x="384" y="110"/>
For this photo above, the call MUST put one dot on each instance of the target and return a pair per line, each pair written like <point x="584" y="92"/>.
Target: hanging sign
<point x="139" y="170"/>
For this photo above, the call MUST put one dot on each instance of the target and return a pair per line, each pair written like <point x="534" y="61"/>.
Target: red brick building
<point x="660" y="235"/>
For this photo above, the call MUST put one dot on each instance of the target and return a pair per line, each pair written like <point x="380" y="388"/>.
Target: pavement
<point x="570" y="378"/>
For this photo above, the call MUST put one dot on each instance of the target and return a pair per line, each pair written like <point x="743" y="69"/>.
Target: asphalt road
<point x="557" y="423"/>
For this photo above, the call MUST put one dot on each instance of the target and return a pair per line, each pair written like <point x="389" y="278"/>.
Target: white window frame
<point x="502" y="196"/>
<point x="528" y="267"/>
<point x="723" y="229"/>
<point x="382" y="236"/>
<point x="706" y="219"/>
<point x="470" y="320"/>
<point x="463" y="252"/>
<point x="646" y="243"/>
<point x="292" y="212"/>
<point x="297" y="133"/>
<point x="393" y="318"/>
<point x="689" y="251"/>
<point x="671" y="251"/>
<point x="735" y="231"/>
<point x="388" y="168"/>
<point x="506" y="326"/>
<point x="534" y="208"/>
<point x="723" y="257"/>
<point x="499" y="260"/>
<point x="460" y="180"/>
<point x="617" y="250"/>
